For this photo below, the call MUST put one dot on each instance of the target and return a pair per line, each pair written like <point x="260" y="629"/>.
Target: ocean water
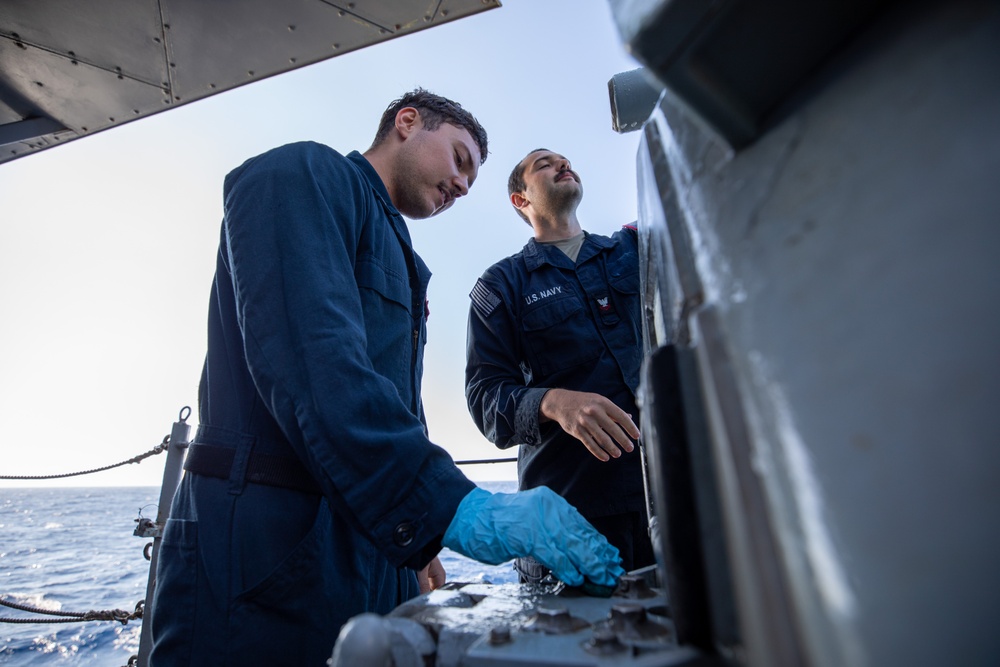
<point x="72" y="549"/>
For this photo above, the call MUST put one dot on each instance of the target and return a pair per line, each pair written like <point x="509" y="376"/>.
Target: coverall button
<point x="403" y="534"/>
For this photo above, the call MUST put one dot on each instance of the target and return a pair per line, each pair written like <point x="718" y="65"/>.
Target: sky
<point x="108" y="243"/>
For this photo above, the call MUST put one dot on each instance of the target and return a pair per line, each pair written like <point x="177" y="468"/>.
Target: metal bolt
<point x="628" y="613"/>
<point x="604" y="641"/>
<point x="634" y="587"/>
<point x="499" y="635"/>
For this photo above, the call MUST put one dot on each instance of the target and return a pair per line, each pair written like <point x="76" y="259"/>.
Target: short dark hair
<point x="434" y="110"/>
<point x="515" y="182"/>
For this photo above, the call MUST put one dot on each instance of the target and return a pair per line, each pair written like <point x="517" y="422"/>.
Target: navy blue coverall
<point x="312" y="489"/>
<point x="537" y="322"/>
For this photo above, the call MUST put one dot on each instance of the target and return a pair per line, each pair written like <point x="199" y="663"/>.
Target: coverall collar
<point x="378" y="187"/>
<point x="538" y="254"/>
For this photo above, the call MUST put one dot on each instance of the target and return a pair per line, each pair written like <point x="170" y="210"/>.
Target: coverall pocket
<point x="175" y="601"/>
<point x="624" y="278"/>
<point x="374" y="275"/>
<point x="291" y="601"/>
<point x="560" y="334"/>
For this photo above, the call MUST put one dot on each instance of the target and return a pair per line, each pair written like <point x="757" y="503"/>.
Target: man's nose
<point x="460" y="186"/>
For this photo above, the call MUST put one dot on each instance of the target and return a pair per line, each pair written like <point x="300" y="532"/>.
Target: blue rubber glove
<point x="496" y="527"/>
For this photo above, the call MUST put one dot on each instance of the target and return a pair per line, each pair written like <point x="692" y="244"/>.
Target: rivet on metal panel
<point x="166" y="26"/>
<point x="156" y="39"/>
<point x="84" y="129"/>
<point x="427" y="18"/>
<point x="350" y="5"/>
<point x="173" y="64"/>
<point x="291" y="60"/>
<point x="250" y="72"/>
<point x="291" y="28"/>
<point x="135" y="111"/>
<point x="444" y="12"/>
<point x="39" y="84"/>
<point x="399" y="26"/>
<point x="336" y="46"/>
<point x="340" y="12"/>
<point x="177" y="97"/>
<point x="111" y="119"/>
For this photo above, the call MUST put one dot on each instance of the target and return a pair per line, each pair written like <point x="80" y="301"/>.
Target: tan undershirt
<point x="570" y="247"/>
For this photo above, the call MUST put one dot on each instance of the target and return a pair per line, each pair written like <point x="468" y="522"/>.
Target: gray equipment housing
<point x="822" y="294"/>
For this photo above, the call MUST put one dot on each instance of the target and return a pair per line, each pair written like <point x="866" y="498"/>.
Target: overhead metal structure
<point x="69" y="69"/>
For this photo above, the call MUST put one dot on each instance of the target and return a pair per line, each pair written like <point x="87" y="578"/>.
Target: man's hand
<point x="431" y="577"/>
<point x="595" y="421"/>
<point x="495" y="527"/>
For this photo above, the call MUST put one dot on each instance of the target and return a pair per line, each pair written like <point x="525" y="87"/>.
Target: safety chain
<point x="479" y="461"/>
<point x="119" y="615"/>
<point x="159" y="449"/>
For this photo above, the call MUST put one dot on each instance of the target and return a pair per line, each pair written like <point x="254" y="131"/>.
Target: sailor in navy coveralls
<point x="312" y="492"/>
<point x="553" y="358"/>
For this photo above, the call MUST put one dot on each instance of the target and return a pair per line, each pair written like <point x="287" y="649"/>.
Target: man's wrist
<point x="545" y="413"/>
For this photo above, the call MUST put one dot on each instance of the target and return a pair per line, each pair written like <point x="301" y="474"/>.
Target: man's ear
<point x="407" y="120"/>
<point x="518" y="200"/>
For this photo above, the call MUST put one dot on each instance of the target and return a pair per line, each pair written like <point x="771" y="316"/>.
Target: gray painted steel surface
<point x="69" y="68"/>
<point x="838" y="283"/>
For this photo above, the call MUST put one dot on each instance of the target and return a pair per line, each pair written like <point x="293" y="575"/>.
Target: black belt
<point x="266" y="469"/>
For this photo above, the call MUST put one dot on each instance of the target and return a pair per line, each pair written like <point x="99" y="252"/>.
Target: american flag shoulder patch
<point x="484" y="299"/>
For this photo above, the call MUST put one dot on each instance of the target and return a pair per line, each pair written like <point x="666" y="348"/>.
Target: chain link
<point x="159" y="449"/>
<point x="119" y="615"/>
